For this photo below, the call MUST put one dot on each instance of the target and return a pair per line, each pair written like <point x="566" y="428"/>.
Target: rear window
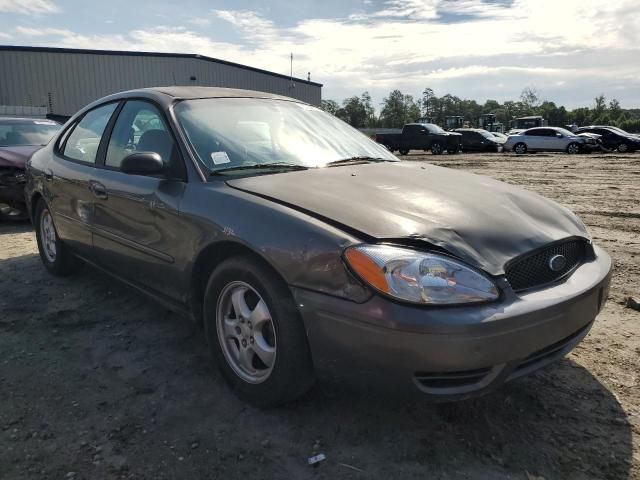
<point x="14" y="132"/>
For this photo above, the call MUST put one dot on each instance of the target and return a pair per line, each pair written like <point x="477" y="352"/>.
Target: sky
<point x="569" y="50"/>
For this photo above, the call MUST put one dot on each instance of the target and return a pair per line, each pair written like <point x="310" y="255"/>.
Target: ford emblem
<point x="557" y="263"/>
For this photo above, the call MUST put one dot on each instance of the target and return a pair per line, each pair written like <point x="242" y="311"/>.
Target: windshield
<point x="565" y="132"/>
<point x="239" y="132"/>
<point x="26" y="132"/>
<point x="433" y="128"/>
<point x="619" y="130"/>
<point x="486" y="134"/>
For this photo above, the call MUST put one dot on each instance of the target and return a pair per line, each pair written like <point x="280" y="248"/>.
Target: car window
<point x="139" y="128"/>
<point x="533" y="133"/>
<point x="27" y="132"/>
<point x="413" y="129"/>
<point x="82" y="144"/>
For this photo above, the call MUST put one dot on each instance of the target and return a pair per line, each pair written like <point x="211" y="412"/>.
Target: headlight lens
<point x="419" y="277"/>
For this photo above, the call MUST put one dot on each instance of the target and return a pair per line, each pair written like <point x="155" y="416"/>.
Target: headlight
<point x="419" y="277"/>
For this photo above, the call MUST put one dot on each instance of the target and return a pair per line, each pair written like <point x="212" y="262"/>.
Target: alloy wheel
<point x="623" y="148"/>
<point x="48" y="236"/>
<point x="246" y="332"/>
<point x="573" y="148"/>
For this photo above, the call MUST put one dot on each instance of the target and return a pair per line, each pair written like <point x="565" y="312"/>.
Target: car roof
<point x="596" y="126"/>
<point x="27" y="120"/>
<point x="166" y="96"/>
<point x="192" y="93"/>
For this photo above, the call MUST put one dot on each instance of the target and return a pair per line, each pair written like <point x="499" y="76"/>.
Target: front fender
<point x="305" y="251"/>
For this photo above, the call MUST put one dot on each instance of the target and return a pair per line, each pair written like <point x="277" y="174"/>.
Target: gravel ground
<point x="98" y="382"/>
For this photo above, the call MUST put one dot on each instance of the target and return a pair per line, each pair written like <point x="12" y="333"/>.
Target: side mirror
<point x="142" y="163"/>
<point x="559" y="135"/>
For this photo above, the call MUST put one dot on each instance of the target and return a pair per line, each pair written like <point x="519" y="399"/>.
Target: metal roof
<point x="150" y="54"/>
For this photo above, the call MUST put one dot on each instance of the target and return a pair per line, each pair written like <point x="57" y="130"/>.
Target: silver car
<point x="549" y="139"/>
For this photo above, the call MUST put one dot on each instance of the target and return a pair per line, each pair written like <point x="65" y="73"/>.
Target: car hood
<point x="476" y="218"/>
<point x="16" y="156"/>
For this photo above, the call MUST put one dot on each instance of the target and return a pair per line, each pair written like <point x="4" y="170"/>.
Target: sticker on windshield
<point x="220" y="157"/>
<point x="44" y="122"/>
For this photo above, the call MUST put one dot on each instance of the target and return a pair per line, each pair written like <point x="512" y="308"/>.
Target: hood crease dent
<point x="482" y="221"/>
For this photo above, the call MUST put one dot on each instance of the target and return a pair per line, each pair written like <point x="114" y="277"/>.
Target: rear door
<point x="534" y="139"/>
<point x="137" y="230"/>
<point x="68" y="180"/>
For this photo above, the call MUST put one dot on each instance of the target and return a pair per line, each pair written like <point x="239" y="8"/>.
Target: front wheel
<point x="520" y="148"/>
<point x="573" y="148"/>
<point x="623" y="148"/>
<point x="436" y="148"/>
<point x="404" y="152"/>
<point x="55" y="255"/>
<point x="255" y="333"/>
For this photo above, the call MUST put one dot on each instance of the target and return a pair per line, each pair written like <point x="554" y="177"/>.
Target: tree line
<point x="398" y="108"/>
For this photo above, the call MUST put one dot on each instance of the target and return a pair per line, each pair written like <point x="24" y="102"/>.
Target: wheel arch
<point x="33" y="203"/>
<point x="206" y="261"/>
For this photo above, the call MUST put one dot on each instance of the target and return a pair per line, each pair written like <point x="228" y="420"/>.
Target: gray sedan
<point x="307" y="251"/>
<point x="549" y="139"/>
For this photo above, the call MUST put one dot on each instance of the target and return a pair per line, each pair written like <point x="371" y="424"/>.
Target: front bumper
<point x="451" y="352"/>
<point x="12" y="199"/>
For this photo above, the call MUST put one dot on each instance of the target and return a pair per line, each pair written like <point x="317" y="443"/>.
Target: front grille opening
<point x="532" y="270"/>
<point x="451" y="379"/>
<point x="550" y="350"/>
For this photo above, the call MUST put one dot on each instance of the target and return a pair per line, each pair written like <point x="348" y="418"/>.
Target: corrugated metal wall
<point x="64" y="82"/>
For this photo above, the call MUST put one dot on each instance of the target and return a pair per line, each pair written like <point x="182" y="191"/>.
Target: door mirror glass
<point x="559" y="135"/>
<point x="142" y="163"/>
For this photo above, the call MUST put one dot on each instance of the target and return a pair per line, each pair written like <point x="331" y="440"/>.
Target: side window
<point x="139" y="128"/>
<point x="83" y="141"/>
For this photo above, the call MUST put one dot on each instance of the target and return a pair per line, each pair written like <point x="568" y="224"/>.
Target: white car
<point x="548" y="139"/>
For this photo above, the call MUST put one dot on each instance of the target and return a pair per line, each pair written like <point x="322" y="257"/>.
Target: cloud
<point x="28" y="7"/>
<point x="572" y="48"/>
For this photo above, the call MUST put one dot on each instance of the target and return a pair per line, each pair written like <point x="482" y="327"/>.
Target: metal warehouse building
<point x="64" y="80"/>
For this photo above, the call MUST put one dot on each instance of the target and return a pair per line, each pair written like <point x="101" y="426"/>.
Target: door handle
<point x="98" y="190"/>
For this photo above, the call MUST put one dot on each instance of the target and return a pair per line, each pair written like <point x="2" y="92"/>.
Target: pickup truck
<point x="421" y="136"/>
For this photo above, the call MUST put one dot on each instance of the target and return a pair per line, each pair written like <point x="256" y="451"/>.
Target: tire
<point x="404" y="152"/>
<point x="573" y="148"/>
<point x="623" y="148"/>
<point x="436" y="148"/>
<point x="283" y="371"/>
<point x="520" y="148"/>
<point x="55" y="255"/>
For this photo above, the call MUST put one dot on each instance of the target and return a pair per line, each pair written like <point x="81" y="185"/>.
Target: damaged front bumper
<point x="12" y="199"/>
<point x="451" y="353"/>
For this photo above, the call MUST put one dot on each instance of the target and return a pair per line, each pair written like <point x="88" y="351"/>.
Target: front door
<point x="137" y="230"/>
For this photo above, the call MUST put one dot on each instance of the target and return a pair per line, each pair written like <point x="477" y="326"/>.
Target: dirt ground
<point x="97" y="382"/>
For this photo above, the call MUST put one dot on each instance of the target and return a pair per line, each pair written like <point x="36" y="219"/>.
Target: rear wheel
<point x="573" y="148"/>
<point x="436" y="148"/>
<point x="255" y="333"/>
<point x="404" y="152"/>
<point x="520" y="148"/>
<point x="55" y="255"/>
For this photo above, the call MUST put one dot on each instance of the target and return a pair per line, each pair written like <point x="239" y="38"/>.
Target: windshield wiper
<point x="258" y="166"/>
<point x="351" y="160"/>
